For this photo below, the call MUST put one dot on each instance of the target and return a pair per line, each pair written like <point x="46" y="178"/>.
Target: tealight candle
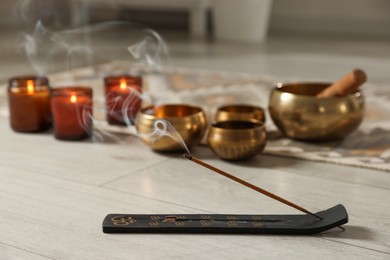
<point x="29" y="103"/>
<point x="72" y="112"/>
<point x="122" y="98"/>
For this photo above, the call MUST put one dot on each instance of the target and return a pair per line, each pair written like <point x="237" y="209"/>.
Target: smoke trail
<point x="160" y="128"/>
<point x="145" y="46"/>
<point x="148" y="48"/>
<point x="46" y="43"/>
<point x="22" y="9"/>
<point x="134" y="96"/>
<point x="29" y="12"/>
<point x="151" y="50"/>
<point x="34" y="46"/>
<point x="71" y="48"/>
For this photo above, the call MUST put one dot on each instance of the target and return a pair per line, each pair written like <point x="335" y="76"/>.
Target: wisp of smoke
<point x="138" y="43"/>
<point x="150" y="50"/>
<point x="28" y="13"/>
<point x="161" y="127"/>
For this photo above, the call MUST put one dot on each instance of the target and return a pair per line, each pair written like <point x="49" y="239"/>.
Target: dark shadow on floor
<point x="351" y="232"/>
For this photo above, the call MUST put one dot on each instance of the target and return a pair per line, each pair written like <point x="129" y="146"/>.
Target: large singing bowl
<point x="163" y="127"/>
<point x="299" y="114"/>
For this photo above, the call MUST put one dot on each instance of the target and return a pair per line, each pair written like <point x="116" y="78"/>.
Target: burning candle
<point x="29" y="103"/>
<point x="122" y="98"/>
<point x="72" y="112"/>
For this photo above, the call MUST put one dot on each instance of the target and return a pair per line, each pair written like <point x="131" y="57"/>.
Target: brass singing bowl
<point x="299" y="114"/>
<point x="237" y="140"/>
<point x="240" y="112"/>
<point x="188" y="121"/>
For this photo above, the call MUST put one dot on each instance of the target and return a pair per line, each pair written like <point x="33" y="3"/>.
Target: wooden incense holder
<point x="346" y="85"/>
<point x="301" y="224"/>
<point x="310" y="223"/>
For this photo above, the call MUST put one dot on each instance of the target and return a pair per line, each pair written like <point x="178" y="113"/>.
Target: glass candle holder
<point x="72" y="112"/>
<point x="29" y="103"/>
<point x="122" y="98"/>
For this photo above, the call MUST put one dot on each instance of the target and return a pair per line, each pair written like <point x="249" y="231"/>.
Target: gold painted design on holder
<point x="153" y="224"/>
<point x="173" y="218"/>
<point x="155" y="217"/>
<point x="232" y="223"/>
<point x="169" y="219"/>
<point x="205" y="223"/>
<point x="257" y="224"/>
<point x="180" y="217"/>
<point x="122" y="221"/>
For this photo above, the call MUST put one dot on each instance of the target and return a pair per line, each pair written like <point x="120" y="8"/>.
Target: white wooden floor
<point x="55" y="194"/>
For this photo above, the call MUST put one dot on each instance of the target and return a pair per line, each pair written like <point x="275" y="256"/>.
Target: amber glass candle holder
<point x="29" y="103"/>
<point x="122" y="98"/>
<point x="72" y="112"/>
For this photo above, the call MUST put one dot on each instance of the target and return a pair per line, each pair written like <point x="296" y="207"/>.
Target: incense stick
<point x="251" y="186"/>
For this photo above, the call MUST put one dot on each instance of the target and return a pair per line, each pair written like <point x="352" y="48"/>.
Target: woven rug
<point x="367" y="147"/>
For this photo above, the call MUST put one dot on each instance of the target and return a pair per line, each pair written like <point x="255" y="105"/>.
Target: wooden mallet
<point x="346" y="85"/>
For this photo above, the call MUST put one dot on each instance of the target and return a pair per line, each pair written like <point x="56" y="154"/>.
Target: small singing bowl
<point x="188" y="123"/>
<point x="299" y="114"/>
<point x="240" y="112"/>
<point x="237" y="140"/>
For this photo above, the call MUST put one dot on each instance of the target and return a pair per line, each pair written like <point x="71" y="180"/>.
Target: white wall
<point x="6" y="7"/>
<point x="359" y="17"/>
<point x="362" y="17"/>
<point x="15" y="13"/>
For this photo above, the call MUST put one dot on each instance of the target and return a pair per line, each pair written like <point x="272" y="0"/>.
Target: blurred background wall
<point x="358" y="18"/>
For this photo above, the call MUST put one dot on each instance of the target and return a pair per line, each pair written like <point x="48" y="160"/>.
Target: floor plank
<point x="187" y="184"/>
<point x="62" y="219"/>
<point x="69" y="160"/>
<point x="361" y="176"/>
<point x="11" y="253"/>
<point x="54" y="195"/>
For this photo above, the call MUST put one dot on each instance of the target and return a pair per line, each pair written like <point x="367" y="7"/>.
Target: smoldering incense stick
<point x="250" y="185"/>
<point x="253" y="187"/>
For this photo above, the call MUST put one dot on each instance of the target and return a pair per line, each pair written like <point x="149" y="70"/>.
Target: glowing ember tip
<point x="187" y="156"/>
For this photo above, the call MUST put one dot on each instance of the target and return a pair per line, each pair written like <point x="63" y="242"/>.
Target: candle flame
<point x="30" y="87"/>
<point x="123" y="84"/>
<point x="73" y="98"/>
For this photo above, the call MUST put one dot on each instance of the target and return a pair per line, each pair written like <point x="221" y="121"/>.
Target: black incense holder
<point x="303" y="224"/>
